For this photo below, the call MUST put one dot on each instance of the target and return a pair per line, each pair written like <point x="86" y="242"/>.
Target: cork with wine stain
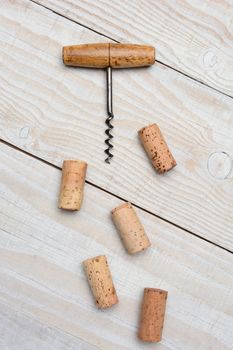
<point x="130" y="228"/>
<point x="100" y="280"/>
<point x="72" y="184"/>
<point x="152" y="315"/>
<point x="156" y="148"/>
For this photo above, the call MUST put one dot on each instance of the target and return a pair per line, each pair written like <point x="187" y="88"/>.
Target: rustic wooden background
<point x="49" y="112"/>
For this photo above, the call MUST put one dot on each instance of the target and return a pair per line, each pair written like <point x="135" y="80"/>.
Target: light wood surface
<point x="194" y="37"/>
<point x="25" y="332"/>
<point x="45" y="300"/>
<point x="57" y="112"/>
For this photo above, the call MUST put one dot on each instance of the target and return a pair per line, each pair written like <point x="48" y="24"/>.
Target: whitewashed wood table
<point x="49" y="113"/>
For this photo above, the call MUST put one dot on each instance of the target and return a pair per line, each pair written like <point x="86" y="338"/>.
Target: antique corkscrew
<point x="108" y="56"/>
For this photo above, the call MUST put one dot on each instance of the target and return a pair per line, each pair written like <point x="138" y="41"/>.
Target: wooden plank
<point x="194" y="37"/>
<point x="20" y="331"/>
<point x="41" y="275"/>
<point x="57" y="113"/>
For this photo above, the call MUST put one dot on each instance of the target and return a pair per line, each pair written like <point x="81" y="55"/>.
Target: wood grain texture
<point x="57" y="112"/>
<point x="21" y="331"/>
<point x="194" y="37"/>
<point x="41" y="274"/>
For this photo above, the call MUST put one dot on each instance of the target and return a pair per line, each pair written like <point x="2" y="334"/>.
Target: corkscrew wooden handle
<point x="109" y="55"/>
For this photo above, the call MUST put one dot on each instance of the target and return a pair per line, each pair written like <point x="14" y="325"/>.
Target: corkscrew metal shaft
<point x="108" y="55"/>
<point x="110" y="116"/>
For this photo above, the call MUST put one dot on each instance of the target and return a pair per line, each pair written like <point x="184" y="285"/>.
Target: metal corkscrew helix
<point x="108" y="55"/>
<point x="110" y="116"/>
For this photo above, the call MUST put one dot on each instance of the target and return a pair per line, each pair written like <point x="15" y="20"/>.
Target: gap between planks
<point x="115" y="195"/>
<point x="175" y="195"/>
<point x="110" y="38"/>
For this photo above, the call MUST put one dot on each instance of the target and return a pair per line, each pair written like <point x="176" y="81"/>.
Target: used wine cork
<point x="100" y="281"/>
<point x="72" y="184"/>
<point x="130" y="228"/>
<point x="152" y="315"/>
<point x="156" y="148"/>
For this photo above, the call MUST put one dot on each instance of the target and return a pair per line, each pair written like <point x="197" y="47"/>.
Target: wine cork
<point x="100" y="281"/>
<point x="130" y="228"/>
<point x="156" y="148"/>
<point x="72" y="184"/>
<point x="152" y="315"/>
